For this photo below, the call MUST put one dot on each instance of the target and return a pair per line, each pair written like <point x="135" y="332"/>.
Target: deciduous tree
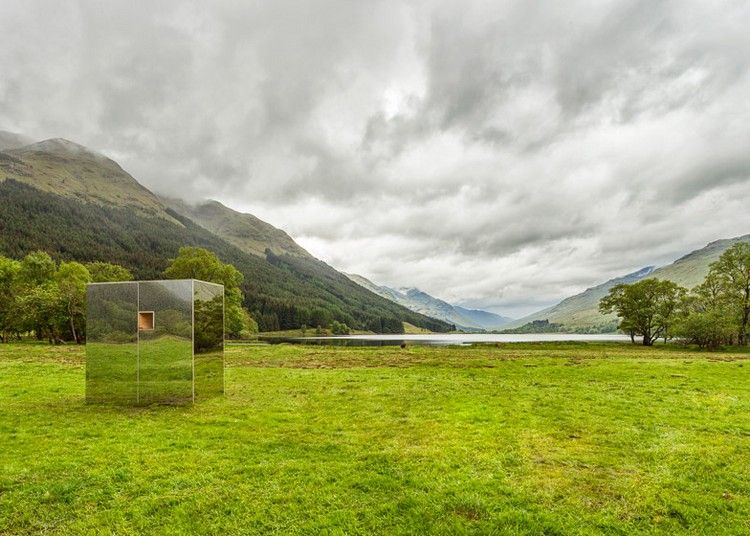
<point x="104" y="272"/>
<point x="732" y="276"/>
<point x="71" y="279"/>
<point x="647" y="308"/>
<point x="199" y="263"/>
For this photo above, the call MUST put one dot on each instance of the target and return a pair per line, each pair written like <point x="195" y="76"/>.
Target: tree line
<point x="713" y="314"/>
<point x="280" y="291"/>
<point x="48" y="300"/>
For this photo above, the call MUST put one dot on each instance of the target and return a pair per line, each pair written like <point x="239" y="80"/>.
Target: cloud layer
<point x="497" y="154"/>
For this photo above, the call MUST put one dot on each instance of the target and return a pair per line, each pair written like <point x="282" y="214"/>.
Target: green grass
<point x="411" y="329"/>
<point x="516" y="438"/>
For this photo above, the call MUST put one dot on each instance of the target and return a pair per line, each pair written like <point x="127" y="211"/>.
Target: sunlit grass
<point x="516" y="438"/>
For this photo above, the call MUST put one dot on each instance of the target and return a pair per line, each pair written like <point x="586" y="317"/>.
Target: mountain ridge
<point x="419" y="301"/>
<point x="246" y="231"/>
<point x="580" y="312"/>
<point x="65" y="168"/>
<point x="78" y="205"/>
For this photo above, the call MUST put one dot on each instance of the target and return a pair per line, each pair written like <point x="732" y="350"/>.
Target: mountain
<point x="421" y="302"/>
<point x="484" y="319"/>
<point x="76" y="204"/>
<point x="386" y="292"/>
<point x="73" y="171"/>
<point x="581" y="312"/>
<point x="245" y="231"/>
<point x="691" y="269"/>
<point x="11" y="140"/>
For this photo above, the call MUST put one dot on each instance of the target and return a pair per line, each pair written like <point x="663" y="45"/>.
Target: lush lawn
<point x="534" y="438"/>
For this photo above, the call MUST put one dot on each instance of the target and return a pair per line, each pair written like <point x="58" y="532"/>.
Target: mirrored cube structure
<point x="154" y="342"/>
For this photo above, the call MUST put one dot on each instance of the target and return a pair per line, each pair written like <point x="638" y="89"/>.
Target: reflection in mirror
<point x="112" y="343"/>
<point x="166" y="351"/>
<point x="208" y="339"/>
<point x="154" y="342"/>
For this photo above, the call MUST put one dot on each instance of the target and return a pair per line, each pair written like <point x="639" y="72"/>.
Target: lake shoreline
<point x="442" y="339"/>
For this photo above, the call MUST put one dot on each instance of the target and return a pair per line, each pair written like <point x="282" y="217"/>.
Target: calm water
<point x="444" y="339"/>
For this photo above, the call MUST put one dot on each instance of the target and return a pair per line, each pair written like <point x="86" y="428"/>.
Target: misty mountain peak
<point x="61" y="146"/>
<point x="13" y="140"/>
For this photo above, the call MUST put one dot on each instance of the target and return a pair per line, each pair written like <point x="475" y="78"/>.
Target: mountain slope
<point x="381" y="290"/>
<point x="484" y="319"/>
<point x="65" y="168"/>
<point x="250" y="234"/>
<point x="75" y="204"/>
<point x="581" y="311"/>
<point x="419" y="301"/>
<point x="11" y="140"/>
<point x="691" y="269"/>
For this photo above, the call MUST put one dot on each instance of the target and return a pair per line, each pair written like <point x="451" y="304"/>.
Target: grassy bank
<point x="517" y="438"/>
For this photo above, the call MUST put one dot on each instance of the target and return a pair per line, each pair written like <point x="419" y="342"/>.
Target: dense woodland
<point x="713" y="314"/>
<point x="281" y="292"/>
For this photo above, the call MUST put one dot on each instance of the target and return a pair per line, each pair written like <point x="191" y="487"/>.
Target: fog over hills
<point x="419" y="301"/>
<point x="502" y="155"/>
<point x="11" y="140"/>
<point x="64" y="198"/>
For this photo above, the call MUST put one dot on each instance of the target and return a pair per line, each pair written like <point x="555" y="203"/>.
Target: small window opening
<point x="145" y="320"/>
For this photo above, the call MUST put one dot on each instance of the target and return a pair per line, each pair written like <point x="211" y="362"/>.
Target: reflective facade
<point x="154" y="342"/>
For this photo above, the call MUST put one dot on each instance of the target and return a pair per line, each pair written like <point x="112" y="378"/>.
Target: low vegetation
<point x="517" y="439"/>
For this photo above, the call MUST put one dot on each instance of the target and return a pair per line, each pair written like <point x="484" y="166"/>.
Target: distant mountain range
<point x="581" y="311"/>
<point x="76" y="204"/>
<point x="421" y="302"/>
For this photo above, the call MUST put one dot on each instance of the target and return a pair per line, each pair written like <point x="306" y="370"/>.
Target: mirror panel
<point x="208" y="339"/>
<point x="166" y="350"/>
<point x="112" y="343"/>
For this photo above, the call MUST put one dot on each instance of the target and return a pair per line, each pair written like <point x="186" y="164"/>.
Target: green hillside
<point x="690" y="270"/>
<point x="581" y="311"/>
<point x="248" y="233"/>
<point x="137" y="231"/>
<point x="65" y="168"/>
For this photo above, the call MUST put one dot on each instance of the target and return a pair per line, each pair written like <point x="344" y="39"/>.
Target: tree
<point x="71" y="279"/>
<point x="9" y="287"/>
<point x="104" y="272"/>
<point x="732" y="276"/>
<point x="337" y="328"/>
<point x="41" y="309"/>
<point x="36" y="269"/>
<point x="199" y="263"/>
<point x="706" y="320"/>
<point x="647" y="308"/>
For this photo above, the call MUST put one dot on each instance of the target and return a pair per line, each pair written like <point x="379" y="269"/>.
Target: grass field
<point x="519" y="438"/>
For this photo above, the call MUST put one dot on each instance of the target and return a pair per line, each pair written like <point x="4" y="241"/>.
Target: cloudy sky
<point x="498" y="154"/>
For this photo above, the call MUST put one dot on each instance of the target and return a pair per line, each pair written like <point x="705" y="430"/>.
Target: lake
<point x="438" y="339"/>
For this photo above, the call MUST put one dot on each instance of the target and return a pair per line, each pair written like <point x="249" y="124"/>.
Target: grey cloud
<point x="498" y="153"/>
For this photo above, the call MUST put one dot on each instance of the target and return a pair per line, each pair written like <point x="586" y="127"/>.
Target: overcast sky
<point x="498" y="154"/>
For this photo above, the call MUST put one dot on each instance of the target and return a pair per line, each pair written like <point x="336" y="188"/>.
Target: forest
<point x="281" y="292"/>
